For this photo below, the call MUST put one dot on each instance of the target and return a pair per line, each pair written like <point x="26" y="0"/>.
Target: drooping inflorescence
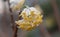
<point x="31" y="18"/>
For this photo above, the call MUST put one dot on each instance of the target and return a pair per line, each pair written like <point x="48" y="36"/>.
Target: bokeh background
<point x="51" y="20"/>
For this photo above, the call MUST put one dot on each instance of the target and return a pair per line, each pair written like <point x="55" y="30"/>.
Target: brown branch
<point x="56" y="12"/>
<point x="14" y="26"/>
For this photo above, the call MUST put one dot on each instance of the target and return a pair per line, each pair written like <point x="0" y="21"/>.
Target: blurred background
<point x="51" y="20"/>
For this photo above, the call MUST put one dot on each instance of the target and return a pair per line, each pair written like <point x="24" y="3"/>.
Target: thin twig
<point x="14" y="26"/>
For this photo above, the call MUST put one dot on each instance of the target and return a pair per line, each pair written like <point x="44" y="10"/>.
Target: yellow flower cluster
<point x="16" y="5"/>
<point x="30" y="21"/>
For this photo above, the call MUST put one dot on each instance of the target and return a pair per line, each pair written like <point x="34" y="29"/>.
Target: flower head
<point x="16" y="4"/>
<point x="31" y="18"/>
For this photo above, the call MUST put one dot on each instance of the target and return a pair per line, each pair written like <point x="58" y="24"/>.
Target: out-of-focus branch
<point x="3" y="19"/>
<point x="56" y="12"/>
<point x="44" y="32"/>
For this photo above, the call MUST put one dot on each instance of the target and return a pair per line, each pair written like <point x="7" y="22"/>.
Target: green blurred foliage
<point x="47" y="9"/>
